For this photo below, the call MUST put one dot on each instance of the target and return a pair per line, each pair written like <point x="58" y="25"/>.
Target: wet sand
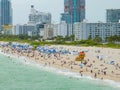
<point x="102" y="63"/>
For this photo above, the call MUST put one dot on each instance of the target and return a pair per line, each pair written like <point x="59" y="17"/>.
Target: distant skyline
<point x="95" y="9"/>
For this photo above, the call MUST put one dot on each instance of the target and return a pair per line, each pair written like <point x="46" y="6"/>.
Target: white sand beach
<point x="102" y="63"/>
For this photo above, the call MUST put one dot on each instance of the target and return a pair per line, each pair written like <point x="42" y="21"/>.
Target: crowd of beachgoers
<point x="100" y="63"/>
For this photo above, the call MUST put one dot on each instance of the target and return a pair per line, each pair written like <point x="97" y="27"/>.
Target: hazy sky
<point x="95" y="9"/>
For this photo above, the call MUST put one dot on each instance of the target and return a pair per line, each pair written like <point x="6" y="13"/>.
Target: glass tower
<point x="5" y="13"/>
<point x="113" y="15"/>
<point x="74" y="11"/>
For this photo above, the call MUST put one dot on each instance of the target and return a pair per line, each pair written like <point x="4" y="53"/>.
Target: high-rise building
<point x="60" y="29"/>
<point x="37" y="17"/>
<point x="5" y="13"/>
<point x="113" y="15"/>
<point x="74" y="11"/>
<point x="48" y="31"/>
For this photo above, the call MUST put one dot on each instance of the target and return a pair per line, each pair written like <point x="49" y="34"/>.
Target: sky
<point x="95" y="9"/>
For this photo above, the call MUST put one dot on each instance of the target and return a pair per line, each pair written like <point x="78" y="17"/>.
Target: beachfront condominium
<point x="39" y="19"/>
<point x="74" y="11"/>
<point x="83" y="30"/>
<point x="36" y="17"/>
<point x="60" y="29"/>
<point x="48" y="31"/>
<point x="113" y="15"/>
<point x="5" y="13"/>
<point x="26" y="29"/>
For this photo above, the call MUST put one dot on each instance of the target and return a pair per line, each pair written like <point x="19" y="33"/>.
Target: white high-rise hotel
<point x="37" y="17"/>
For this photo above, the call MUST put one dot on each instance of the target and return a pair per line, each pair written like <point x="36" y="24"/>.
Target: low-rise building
<point x="25" y="29"/>
<point x="84" y="30"/>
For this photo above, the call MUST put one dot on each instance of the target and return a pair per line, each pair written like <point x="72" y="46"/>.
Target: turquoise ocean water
<point x="15" y="75"/>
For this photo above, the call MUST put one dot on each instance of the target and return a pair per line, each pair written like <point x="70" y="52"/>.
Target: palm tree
<point x="97" y="39"/>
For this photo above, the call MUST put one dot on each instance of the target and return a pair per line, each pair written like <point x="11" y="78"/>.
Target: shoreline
<point x="57" y="64"/>
<point x="64" y="72"/>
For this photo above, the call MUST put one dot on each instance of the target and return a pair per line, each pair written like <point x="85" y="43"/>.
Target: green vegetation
<point x="113" y="39"/>
<point x="68" y="40"/>
<point x="97" y="39"/>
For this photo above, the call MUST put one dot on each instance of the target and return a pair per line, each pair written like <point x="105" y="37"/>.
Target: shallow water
<point x="15" y="75"/>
